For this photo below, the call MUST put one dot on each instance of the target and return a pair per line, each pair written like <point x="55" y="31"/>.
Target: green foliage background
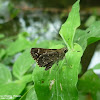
<point x="61" y="81"/>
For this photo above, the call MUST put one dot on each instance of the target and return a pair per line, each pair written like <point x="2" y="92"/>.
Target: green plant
<point x="58" y="83"/>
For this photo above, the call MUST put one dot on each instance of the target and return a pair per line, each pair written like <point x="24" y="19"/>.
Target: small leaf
<point x="68" y="29"/>
<point x="90" y="35"/>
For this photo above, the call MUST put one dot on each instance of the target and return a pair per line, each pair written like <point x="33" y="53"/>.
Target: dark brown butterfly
<point x="47" y="57"/>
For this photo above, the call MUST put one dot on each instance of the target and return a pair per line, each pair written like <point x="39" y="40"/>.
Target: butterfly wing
<point x="48" y="59"/>
<point x="44" y="57"/>
<point x="37" y="52"/>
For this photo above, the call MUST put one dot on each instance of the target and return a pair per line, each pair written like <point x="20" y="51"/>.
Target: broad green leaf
<point x="5" y="74"/>
<point x="68" y="29"/>
<point x="59" y="83"/>
<point x="90" y="83"/>
<point x="12" y="89"/>
<point x="22" y="64"/>
<point x="19" y="45"/>
<point x="90" y="35"/>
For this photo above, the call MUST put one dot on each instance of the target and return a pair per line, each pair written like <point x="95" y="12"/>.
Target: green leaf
<point x="60" y="81"/>
<point x="27" y="78"/>
<point x="68" y="29"/>
<point x="7" y="41"/>
<point x="90" y="35"/>
<point x="19" y="45"/>
<point x="93" y="31"/>
<point x="90" y="83"/>
<point x="97" y="66"/>
<point x="79" y="37"/>
<point x="83" y="96"/>
<point x="22" y="64"/>
<point x="2" y="35"/>
<point x="90" y="20"/>
<point x="31" y="95"/>
<point x="2" y="53"/>
<point x="12" y="88"/>
<point x="92" y="40"/>
<point x="5" y="74"/>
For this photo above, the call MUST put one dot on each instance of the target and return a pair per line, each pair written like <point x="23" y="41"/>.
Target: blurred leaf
<point x="59" y="46"/>
<point x="22" y="64"/>
<point x="68" y="29"/>
<point x="90" y="20"/>
<point x="5" y="74"/>
<point x="60" y="81"/>
<point x="7" y="11"/>
<point x="48" y="44"/>
<point x="82" y="96"/>
<point x="12" y="10"/>
<point x="12" y="88"/>
<point x="31" y="95"/>
<point x="90" y="83"/>
<point x="23" y="34"/>
<point x="6" y="42"/>
<point x="90" y="35"/>
<point x="7" y="60"/>
<point x="2" y="35"/>
<point x="19" y="45"/>
<point x="97" y="66"/>
<point x="2" y="53"/>
<point x="27" y="78"/>
<point x="93" y="31"/>
<point x="93" y="39"/>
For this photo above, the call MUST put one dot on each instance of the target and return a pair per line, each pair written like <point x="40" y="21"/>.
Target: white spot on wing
<point x="38" y="50"/>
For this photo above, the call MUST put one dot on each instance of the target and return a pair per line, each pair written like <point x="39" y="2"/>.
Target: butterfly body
<point x="47" y="57"/>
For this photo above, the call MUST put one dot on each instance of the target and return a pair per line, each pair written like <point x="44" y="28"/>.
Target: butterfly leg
<point x="48" y="67"/>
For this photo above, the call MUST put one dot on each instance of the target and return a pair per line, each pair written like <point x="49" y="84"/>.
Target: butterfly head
<point x="65" y="50"/>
